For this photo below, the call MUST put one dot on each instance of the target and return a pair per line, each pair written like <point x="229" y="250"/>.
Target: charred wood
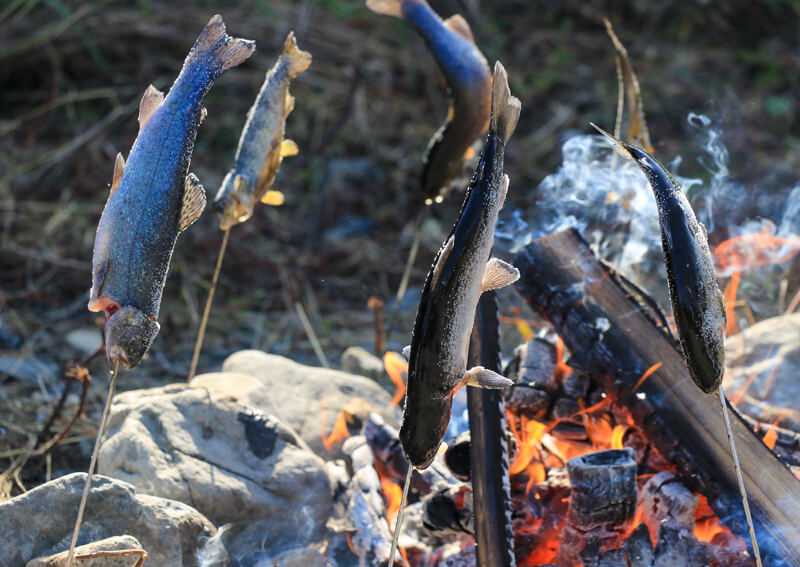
<point x="568" y="285"/>
<point x="457" y="457"/>
<point x="602" y="504"/>
<point x="489" y="447"/>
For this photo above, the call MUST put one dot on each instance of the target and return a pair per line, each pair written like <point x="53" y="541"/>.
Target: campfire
<point x="614" y="458"/>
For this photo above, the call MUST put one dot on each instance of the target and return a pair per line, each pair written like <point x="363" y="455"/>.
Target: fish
<point x="461" y="272"/>
<point x="470" y="82"/>
<point x="698" y="304"/>
<point x="262" y="145"/>
<point x="153" y="198"/>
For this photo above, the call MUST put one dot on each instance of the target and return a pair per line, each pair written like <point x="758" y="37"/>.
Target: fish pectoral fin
<point x="457" y="24"/>
<point x="119" y="168"/>
<point x="441" y="259"/>
<point x="289" y="104"/>
<point x="499" y="273"/>
<point x="481" y="377"/>
<point x="273" y="198"/>
<point x="151" y="101"/>
<point x="406" y="352"/>
<point x="194" y="201"/>
<point x="289" y="148"/>
<point x="241" y="183"/>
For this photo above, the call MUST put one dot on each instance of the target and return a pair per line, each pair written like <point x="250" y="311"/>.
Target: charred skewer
<point x="489" y="447"/>
<point x="153" y="198"/>
<point x="261" y="150"/>
<point x="461" y="271"/>
<point x="697" y="302"/>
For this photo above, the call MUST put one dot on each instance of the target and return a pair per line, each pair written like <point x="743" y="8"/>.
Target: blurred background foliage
<point x="72" y="74"/>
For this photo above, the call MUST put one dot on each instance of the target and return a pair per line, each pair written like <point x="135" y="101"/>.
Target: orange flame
<point x="562" y="368"/>
<point x="523" y="325"/>
<point x="730" y="303"/>
<point x="393" y="494"/>
<point x="396" y="366"/>
<point x="755" y="250"/>
<point x="527" y="444"/>
<point x="339" y="432"/>
<point x="707" y="524"/>
<point x="647" y="373"/>
<point x="617" y="435"/>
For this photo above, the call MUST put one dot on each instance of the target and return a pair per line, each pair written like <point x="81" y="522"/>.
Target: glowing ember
<point x="523" y="326"/>
<point x="397" y="369"/>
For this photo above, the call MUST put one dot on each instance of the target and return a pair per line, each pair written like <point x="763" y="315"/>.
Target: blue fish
<point x="470" y="81"/>
<point x="153" y="198"/>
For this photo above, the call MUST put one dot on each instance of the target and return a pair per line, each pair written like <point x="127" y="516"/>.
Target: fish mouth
<point x="129" y="333"/>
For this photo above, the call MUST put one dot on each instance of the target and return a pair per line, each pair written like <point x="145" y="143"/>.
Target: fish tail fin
<point x="219" y="50"/>
<point x="505" y="107"/>
<point x="619" y="146"/>
<point x="387" y="7"/>
<point x="297" y="60"/>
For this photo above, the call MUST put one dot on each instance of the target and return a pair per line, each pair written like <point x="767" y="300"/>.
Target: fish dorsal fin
<point x="457" y="24"/>
<point x="119" y="168"/>
<point x="289" y="148"/>
<point x="194" y="201"/>
<point x="498" y="274"/>
<point x="151" y="101"/>
<point x="273" y="198"/>
<point x="440" y="262"/>
<point x="481" y="377"/>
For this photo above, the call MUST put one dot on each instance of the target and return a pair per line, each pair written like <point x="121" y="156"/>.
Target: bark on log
<point x="614" y="336"/>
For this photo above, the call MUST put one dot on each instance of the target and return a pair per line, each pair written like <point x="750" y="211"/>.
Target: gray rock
<point x="39" y="523"/>
<point x="358" y="360"/>
<point x="229" y="461"/>
<point x="306" y="398"/>
<point x="123" y="544"/>
<point x="770" y="349"/>
<point x="29" y="370"/>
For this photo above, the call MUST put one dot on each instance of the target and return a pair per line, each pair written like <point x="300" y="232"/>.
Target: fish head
<point x="235" y="201"/>
<point x="129" y="334"/>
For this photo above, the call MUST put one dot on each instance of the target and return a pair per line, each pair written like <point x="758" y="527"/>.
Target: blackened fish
<point x="461" y="271"/>
<point x="467" y="74"/>
<point x="153" y="199"/>
<point x="697" y="302"/>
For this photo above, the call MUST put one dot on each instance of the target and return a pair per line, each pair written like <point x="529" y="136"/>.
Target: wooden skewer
<point x="398" y="523"/>
<point x="93" y="463"/>
<point x="209" y="300"/>
<point x="737" y="466"/>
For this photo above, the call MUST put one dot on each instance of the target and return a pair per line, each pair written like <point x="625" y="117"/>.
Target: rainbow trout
<point x="461" y="272"/>
<point x="262" y="146"/>
<point x="153" y="199"/>
<point x="697" y="302"/>
<point x="468" y="76"/>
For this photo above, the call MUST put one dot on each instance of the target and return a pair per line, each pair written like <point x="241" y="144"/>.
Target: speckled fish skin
<point x="259" y="154"/>
<point x="140" y="223"/>
<point x="470" y="81"/>
<point x="697" y="302"/>
<point x="439" y="347"/>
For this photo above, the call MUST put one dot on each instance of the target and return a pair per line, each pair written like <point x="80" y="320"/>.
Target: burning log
<point x="602" y="504"/>
<point x="613" y="335"/>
